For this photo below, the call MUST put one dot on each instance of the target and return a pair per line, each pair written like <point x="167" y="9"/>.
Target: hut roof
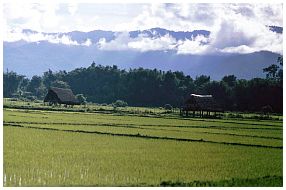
<point x="64" y="96"/>
<point x="201" y="96"/>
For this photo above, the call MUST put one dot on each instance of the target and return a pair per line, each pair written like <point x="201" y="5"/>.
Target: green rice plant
<point x="60" y="148"/>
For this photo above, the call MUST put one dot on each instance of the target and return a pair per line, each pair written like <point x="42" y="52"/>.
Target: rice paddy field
<point x="63" y="148"/>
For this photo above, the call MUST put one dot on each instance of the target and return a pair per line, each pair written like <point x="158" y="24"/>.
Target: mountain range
<point x="35" y="57"/>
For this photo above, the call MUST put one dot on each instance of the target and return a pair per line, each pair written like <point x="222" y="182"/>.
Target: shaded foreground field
<point x="43" y="148"/>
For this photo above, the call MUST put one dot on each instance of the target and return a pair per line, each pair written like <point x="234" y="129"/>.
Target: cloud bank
<point x="234" y="28"/>
<point x="39" y="36"/>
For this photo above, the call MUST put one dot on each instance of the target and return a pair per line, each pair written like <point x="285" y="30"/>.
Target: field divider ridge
<point x="143" y="136"/>
<point x="155" y="129"/>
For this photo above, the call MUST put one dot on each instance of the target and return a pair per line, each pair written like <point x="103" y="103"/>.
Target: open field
<point x="141" y="111"/>
<point x="62" y="148"/>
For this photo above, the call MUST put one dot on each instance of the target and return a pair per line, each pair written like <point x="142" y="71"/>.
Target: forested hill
<point x="145" y="87"/>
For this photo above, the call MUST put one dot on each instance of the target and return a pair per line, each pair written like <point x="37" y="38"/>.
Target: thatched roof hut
<point x="61" y="96"/>
<point x="201" y="102"/>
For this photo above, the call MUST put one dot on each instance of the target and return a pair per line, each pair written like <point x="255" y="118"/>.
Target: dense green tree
<point x="280" y="60"/>
<point x="280" y="71"/>
<point x="60" y="84"/>
<point x="120" y="103"/>
<point x="146" y="87"/>
<point x="201" y="80"/>
<point x="271" y="71"/>
<point x="230" y="80"/>
<point x="274" y="71"/>
<point x="48" y="78"/>
<point x="24" y="84"/>
<point x="219" y="91"/>
<point x="37" y="87"/>
<point x="11" y="83"/>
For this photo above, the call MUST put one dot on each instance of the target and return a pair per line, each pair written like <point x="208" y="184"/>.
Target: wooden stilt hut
<point x="201" y="105"/>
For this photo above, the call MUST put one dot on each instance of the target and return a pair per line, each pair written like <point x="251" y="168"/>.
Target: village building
<point x="199" y="104"/>
<point x="61" y="96"/>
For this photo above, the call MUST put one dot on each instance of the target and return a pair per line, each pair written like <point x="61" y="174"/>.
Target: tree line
<point x="146" y="87"/>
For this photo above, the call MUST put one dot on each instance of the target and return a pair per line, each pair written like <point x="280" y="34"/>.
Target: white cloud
<point x="141" y="43"/>
<point x="72" y="7"/>
<point x="231" y="37"/>
<point x="235" y="28"/>
<point x="49" y="17"/>
<point x="38" y="36"/>
<point x="243" y="49"/>
<point x="239" y="34"/>
<point x="31" y="16"/>
<point x="198" y="45"/>
<point x="62" y="40"/>
<point x="119" y="43"/>
<point x="87" y="42"/>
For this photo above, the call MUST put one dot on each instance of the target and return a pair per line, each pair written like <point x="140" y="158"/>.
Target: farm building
<point x="200" y="103"/>
<point x="60" y="96"/>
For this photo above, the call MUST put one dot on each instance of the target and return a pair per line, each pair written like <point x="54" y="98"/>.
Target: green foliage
<point x="274" y="72"/>
<point x="81" y="98"/>
<point x="271" y="71"/>
<point x="230" y="80"/>
<point x="31" y="98"/>
<point x="48" y="78"/>
<point x="201" y="80"/>
<point x="155" y="88"/>
<point x="37" y="87"/>
<point x="168" y="107"/>
<point x="11" y="83"/>
<point x="60" y="84"/>
<point x="232" y="115"/>
<point x="120" y="103"/>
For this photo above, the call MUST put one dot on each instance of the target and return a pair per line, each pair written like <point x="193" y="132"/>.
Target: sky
<point x="235" y="28"/>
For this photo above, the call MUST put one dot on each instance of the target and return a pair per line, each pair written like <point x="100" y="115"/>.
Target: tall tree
<point x="271" y="71"/>
<point x="48" y="78"/>
<point x="60" y="84"/>
<point x="230" y="80"/>
<point x="37" y="87"/>
<point x="11" y="83"/>
<point x="146" y="87"/>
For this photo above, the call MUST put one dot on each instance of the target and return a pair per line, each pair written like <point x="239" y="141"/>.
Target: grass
<point x="60" y="148"/>
<point x="142" y="111"/>
<point x="90" y="107"/>
<point x="266" y="181"/>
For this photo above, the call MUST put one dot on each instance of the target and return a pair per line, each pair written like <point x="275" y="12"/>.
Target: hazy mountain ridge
<point x="36" y="57"/>
<point x="96" y="35"/>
